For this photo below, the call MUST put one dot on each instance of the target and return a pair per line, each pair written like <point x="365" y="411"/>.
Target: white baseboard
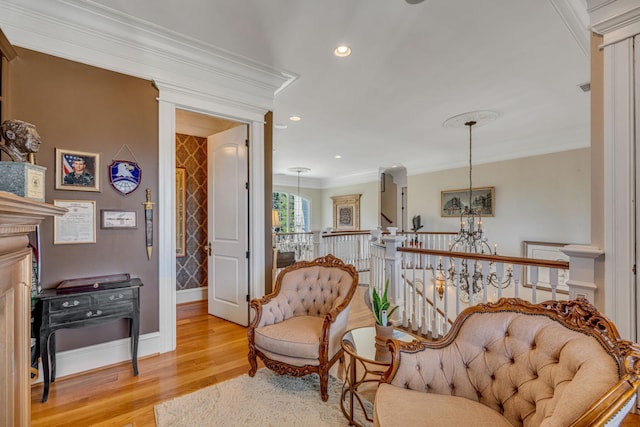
<point x="191" y="295"/>
<point x="101" y="355"/>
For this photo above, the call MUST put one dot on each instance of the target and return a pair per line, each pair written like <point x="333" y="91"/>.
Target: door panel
<point x="228" y="225"/>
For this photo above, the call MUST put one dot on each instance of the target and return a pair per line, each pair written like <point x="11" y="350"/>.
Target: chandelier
<point x="471" y="237"/>
<point x="298" y="218"/>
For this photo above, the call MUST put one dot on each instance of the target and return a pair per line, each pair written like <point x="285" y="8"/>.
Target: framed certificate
<point x="118" y="219"/>
<point x="78" y="225"/>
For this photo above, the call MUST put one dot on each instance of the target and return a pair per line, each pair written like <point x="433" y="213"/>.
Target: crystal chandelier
<point x="471" y="237"/>
<point x="298" y="218"/>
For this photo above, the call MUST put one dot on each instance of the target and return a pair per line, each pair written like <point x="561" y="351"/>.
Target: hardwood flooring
<point x="209" y="350"/>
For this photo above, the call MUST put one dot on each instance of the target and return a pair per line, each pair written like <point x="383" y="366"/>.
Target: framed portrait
<point x="453" y="202"/>
<point x="550" y="251"/>
<point x="181" y="220"/>
<point x="346" y="212"/>
<point x="78" y="225"/>
<point x="77" y="170"/>
<point x="111" y="218"/>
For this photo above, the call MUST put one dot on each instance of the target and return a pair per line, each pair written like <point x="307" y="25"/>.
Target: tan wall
<point x="83" y="108"/>
<point x="369" y="203"/>
<point x="540" y="198"/>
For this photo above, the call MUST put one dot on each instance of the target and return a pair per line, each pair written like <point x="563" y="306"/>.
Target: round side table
<point x="359" y="344"/>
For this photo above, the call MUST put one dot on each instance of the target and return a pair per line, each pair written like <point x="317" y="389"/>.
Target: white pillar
<point x="393" y="266"/>
<point x="582" y="263"/>
<point x="317" y="243"/>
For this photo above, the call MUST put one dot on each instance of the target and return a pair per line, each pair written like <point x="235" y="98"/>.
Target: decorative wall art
<point x="118" y="219"/>
<point x="125" y="175"/>
<point x="346" y="212"/>
<point x="78" y="225"/>
<point x="453" y="202"/>
<point x="77" y="170"/>
<point x="550" y="251"/>
<point x="181" y="220"/>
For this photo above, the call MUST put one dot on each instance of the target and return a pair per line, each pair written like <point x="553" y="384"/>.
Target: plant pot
<point x="383" y="333"/>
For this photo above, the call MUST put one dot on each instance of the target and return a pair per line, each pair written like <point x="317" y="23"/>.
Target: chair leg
<point x="253" y="365"/>
<point x="324" y="383"/>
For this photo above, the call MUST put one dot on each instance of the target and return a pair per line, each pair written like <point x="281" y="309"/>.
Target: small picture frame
<point x="114" y="219"/>
<point x="453" y="202"/>
<point x="77" y="170"/>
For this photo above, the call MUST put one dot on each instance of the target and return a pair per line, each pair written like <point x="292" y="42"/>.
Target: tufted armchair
<point x="297" y="329"/>
<point x="511" y="363"/>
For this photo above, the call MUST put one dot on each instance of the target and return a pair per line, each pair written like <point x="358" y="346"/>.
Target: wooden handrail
<point x="563" y="265"/>
<point x="386" y="217"/>
<point x="452" y="233"/>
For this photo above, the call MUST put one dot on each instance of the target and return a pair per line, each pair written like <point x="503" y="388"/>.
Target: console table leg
<point x="44" y="347"/>
<point x="135" y="333"/>
<point x="52" y="355"/>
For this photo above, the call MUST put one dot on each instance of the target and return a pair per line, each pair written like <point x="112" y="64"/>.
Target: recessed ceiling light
<point x="342" y="51"/>
<point x="338" y="156"/>
<point x="295" y="118"/>
<point x="280" y="126"/>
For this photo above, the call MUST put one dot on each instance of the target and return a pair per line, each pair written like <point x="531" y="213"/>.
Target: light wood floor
<point x="209" y="350"/>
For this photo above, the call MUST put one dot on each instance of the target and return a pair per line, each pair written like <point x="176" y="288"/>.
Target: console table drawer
<point x="71" y="302"/>
<point x="60" y="318"/>
<point x="115" y="296"/>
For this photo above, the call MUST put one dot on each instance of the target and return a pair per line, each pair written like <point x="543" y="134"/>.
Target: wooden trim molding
<point x="6" y="49"/>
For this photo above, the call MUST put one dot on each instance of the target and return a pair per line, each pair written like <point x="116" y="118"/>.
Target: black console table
<point x="76" y="309"/>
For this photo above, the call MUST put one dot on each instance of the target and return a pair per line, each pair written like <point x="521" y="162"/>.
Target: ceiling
<point x="411" y="68"/>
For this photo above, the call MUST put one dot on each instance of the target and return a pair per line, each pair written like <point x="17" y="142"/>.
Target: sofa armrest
<point x="614" y="404"/>
<point x="268" y="310"/>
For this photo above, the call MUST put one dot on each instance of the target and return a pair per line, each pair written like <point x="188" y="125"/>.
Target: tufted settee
<point x="297" y="329"/>
<point x="511" y="363"/>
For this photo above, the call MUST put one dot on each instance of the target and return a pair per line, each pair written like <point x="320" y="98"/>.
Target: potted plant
<point x="382" y="311"/>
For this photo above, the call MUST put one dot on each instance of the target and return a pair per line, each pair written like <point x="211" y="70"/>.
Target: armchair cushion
<point x="298" y="337"/>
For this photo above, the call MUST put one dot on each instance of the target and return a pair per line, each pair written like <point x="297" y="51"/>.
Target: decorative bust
<point x="21" y="139"/>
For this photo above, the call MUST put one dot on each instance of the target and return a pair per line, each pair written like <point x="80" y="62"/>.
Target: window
<point x="293" y="211"/>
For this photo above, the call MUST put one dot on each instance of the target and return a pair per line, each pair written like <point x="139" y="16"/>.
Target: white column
<point x="582" y="263"/>
<point x="393" y="266"/>
<point x="317" y="243"/>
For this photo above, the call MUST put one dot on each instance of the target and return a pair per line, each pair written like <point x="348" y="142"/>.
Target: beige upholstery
<point x="297" y="329"/>
<point x="526" y="365"/>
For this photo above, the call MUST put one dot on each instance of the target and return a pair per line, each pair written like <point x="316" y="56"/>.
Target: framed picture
<point x="550" y="251"/>
<point x="118" y="219"/>
<point x="78" y="225"/>
<point x="453" y="202"/>
<point x="346" y="212"/>
<point x="77" y="170"/>
<point x="181" y="221"/>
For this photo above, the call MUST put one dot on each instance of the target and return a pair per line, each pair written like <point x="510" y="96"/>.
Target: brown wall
<point x="83" y="108"/>
<point x="191" y="269"/>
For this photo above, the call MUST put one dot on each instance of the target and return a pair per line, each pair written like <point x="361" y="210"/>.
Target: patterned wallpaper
<point x="191" y="153"/>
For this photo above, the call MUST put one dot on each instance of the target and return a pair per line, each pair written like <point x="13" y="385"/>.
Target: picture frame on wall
<point x="549" y="251"/>
<point x="77" y="170"/>
<point x="346" y="212"/>
<point x="114" y="219"/>
<point x="453" y="202"/>
<point x="77" y="225"/>
<point x="181" y="221"/>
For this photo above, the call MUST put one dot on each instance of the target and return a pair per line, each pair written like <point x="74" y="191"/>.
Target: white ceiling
<point x="412" y="67"/>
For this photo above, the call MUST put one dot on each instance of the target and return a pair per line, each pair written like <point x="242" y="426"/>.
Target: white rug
<point x="268" y="399"/>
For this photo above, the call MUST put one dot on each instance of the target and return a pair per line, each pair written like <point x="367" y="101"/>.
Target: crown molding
<point x="86" y="32"/>
<point x="574" y="15"/>
<point x="615" y="20"/>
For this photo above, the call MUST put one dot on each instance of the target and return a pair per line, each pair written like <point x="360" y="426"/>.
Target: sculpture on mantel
<point x="21" y="140"/>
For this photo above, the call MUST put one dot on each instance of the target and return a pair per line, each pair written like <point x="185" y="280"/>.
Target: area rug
<point x="267" y="399"/>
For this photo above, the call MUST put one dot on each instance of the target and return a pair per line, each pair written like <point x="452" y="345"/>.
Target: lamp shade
<point x="275" y="218"/>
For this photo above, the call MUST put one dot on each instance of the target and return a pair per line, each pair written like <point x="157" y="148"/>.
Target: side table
<point x="359" y="344"/>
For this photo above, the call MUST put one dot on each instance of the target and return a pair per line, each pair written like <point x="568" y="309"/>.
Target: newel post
<point x="317" y="243"/>
<point x="393" y="267"/>
<point x="582" y="262"/>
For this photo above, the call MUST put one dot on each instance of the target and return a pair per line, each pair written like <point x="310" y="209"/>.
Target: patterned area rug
<point x="268" y="399"/>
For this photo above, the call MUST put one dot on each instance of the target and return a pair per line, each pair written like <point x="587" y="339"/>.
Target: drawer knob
<point x="115" y="297"/>
<point x="70" y="304"/>
<point x="92" y="314"/>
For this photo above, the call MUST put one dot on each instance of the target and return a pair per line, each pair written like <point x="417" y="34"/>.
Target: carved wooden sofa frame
<point x="327" y="278"/>
<point x="557" y="363"/>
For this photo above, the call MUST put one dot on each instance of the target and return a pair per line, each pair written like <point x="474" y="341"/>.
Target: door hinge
<point x="246" y="142"/>
<point x="246" y="185"/>
<point x="633" y="269"/>
<point x="247" y="254"/>
<point x="247" y="297"/>
<point x="208" y="248"/>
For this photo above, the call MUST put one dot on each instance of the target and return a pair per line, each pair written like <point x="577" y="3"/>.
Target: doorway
<point x="200" y="258"/>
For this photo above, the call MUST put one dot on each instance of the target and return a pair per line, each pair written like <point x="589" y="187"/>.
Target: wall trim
<point x="191" y="295"/>
<point x="100" y="355"/>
